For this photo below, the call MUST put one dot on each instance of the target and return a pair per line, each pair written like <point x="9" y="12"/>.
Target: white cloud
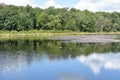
<point x="52" y="3"/>
<point x="31" y="3"/>
<point x="34" y="5"/>
<point x="97" y="61"/>
<point x="19" y="2"/>
<point x="99" y="5"/>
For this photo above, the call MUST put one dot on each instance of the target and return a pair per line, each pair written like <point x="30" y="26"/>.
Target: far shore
<point x="47" y="34"/>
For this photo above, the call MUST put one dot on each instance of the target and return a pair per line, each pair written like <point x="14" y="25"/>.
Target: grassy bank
<point x="45" y="33"/>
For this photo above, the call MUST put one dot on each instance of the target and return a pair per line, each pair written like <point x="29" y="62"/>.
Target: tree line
<point x="27" y="18"/>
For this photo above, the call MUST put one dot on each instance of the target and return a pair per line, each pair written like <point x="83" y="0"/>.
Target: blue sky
<point x="92" y="5"/>
<point x="66" y="3"/>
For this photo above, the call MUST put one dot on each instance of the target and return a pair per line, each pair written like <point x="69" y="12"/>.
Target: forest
<point x="27" y="18"/>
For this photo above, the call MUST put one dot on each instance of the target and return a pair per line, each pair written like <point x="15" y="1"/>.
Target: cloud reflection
<point x="10" y="63"/>
<point x="96" y="61"/>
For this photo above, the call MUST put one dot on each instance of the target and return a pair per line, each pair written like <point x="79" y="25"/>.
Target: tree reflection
<point x="57" y="49"/>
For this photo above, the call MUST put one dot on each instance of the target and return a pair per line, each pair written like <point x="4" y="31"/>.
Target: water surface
<point x="58" y="60"/>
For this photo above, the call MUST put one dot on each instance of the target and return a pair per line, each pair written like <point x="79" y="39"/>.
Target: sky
<point x="92" y="5"/>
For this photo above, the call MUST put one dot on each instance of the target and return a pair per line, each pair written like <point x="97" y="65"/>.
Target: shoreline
<point x="47" y="34"/>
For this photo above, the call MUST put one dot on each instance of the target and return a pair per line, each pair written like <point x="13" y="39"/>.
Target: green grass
<point x="45" y="33"/>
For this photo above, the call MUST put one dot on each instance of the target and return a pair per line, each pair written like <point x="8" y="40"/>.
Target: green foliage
<point x="28" y="18"/>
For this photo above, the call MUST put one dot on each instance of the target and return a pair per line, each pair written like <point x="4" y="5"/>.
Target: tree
<point x="42" y="21"/>
<point x="99" y="23"/>
<point x="54" y="22"/>
<point x="28" y="18"/>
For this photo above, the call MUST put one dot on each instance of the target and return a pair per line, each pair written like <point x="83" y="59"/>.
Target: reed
<point x="47" y="33"/>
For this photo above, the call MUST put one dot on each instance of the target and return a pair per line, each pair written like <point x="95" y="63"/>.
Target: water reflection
<point x="97" y="61"/>
<point x="57" y="49"/>
<point x="36" y="59"/>
<point x="9" y="63"/>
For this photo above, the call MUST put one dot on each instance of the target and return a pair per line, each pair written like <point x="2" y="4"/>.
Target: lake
<point x="45" y="59"/>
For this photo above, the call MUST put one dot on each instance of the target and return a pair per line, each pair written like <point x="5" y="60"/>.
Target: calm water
<point x="57" y="60"/>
